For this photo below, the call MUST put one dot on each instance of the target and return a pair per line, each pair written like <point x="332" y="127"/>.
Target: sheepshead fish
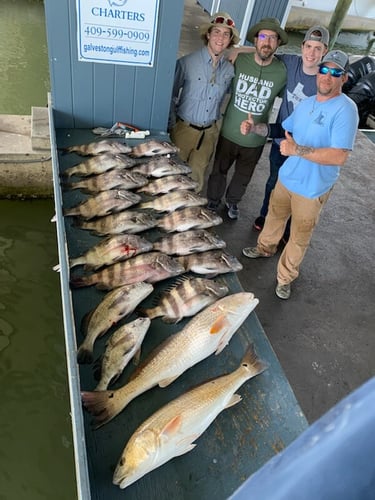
<point x="186" y="299"/>
<point x="207" y="332"/>
<point x="161" y="167"/>
<point x="189" y="218"/>
<point x="175" y="199"/>
<point x="99" y="164"/>
<point x="187" y="242"/>
<point x="173" y="429"/>
<point x="123" y="345"/>
<point x="104" y="203"/>
<point x="114" y="179"/>
<point x="99" y="147"/>
<point x="153" y="148"/>
<point x="116" y="305"/>
<point x="211" y="263"/>
<point x="150" y="267"/>
<point x="129" y="221"/>
<point x="168" y="183"/>
<point x="111" y="250"/>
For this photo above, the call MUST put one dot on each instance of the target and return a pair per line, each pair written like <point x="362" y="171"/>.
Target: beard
<point x="265" y="53"/>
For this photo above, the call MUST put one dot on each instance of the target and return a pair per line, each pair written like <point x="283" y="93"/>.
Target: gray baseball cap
<point x="337" y="57"/>
<point x="317" y="34"/>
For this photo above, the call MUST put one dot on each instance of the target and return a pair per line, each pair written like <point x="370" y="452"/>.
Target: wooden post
<point x="337" y="19"/>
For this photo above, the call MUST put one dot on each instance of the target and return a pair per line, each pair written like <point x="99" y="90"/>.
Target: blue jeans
<point x="276" y="160"/>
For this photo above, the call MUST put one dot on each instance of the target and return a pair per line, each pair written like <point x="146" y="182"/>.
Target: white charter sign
<point x="117" y="31"/>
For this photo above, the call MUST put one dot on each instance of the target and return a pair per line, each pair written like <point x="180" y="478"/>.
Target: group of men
<point x="314" y="131"/>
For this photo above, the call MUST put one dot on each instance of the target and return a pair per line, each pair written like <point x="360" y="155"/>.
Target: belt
<point x="196" y="127"/>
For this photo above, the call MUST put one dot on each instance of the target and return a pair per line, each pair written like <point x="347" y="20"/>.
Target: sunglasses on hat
<point x="336" y="72"/>
<point x="224" y="20"/>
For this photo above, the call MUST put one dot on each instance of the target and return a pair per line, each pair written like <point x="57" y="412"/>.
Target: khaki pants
<point x="196" y="148"/>
<point x="305" y="214"/>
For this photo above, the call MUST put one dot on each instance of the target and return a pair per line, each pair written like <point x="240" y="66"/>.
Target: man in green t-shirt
<point x="259" y="79"/>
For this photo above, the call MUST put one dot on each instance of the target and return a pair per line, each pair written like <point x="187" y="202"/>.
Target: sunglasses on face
<point x="224" y="20"/>
<point x="273" y="38"/>
<point x="324" y="70"/>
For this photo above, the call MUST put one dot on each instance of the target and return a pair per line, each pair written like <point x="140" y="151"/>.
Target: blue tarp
<point x="332" y="460"/>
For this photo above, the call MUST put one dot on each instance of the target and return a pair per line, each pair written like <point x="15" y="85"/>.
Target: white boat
<point x="306" y="13"/>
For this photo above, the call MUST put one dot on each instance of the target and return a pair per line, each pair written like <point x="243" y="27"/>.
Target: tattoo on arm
<point x="304" y="150"/>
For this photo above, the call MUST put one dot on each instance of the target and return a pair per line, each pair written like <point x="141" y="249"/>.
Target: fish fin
<point x="172" y="427"/>
<point x="137" y="357"/>
<point x="167" y="381"/>
<point x="102" y="405"/>
<point x="218" y="325"/>
<point x="84" y="355"/>
<point x="186" y="445"/>
<point x="236" y="398"/>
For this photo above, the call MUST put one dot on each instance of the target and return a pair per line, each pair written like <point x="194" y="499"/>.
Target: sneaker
<point x="213" y="205"/>
<point x="283" y="291"/>
<point x="259" y="223"/>
<point x="253" y="253"/>
<point x="233" y="210"/>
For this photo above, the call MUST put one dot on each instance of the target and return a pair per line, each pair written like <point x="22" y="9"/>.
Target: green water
<point x="36" y="448"/>
<point x="24" y="75"/>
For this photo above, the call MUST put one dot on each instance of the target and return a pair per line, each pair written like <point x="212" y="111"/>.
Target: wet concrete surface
<point x="324" y="335"/>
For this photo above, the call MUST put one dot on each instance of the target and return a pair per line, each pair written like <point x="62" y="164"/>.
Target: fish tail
<point x="252" y="362"/>
<point x="103" y="405"/>
<point x="145" y="312"/>
<point x="84" y="355"/>
<point x="81" y="281"/>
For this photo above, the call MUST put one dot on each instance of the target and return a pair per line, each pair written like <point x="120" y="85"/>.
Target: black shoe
<point x="259" y="223"/>
<point x="213" y="205"/>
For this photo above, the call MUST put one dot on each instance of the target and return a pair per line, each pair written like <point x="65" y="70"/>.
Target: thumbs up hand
<point x="288" y="145"/>
<point x="247" y="125"/>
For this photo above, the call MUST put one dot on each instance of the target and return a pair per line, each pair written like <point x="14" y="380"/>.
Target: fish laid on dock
<point x="188" y="242"/>
<point x="99" y="164"/>
<point x="99" y="147"/>
<point x="173" y="429"/>
<point x="161" y="167"/>
<point x="206" y="333"/>
<point x="186" y="299"/>
<point x="149" y="267"/>
<point x="113" y="179"/>
<point x="116" y="305"/>
<point x="167" y="184"/>
<point x="128" y="221"/>
<point x="170" y="202"/>
<point x="211" y="263"/>
<point x="123" y="345"/>
<point x="189" y="218"/>
<point x="153" y="148"/>
<point x="112" y="249"/>
<point x="104" y="203"/>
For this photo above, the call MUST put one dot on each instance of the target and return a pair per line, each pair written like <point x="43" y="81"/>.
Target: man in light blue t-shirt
<point x="319" y="135"/>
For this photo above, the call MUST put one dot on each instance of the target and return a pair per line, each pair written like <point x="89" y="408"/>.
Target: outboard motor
<point x="363" y="94"/>
<point x="358" y="70"/>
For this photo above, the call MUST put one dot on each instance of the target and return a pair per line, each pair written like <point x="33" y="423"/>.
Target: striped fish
<point x="161" y="167"/>
<point x="189" y="218"/>
<point x="104" y="203"/>
<point x="99" y="164"/>
<point x="168" y="183"/>
<point x="170" y="202"/>
<point x="186" y="299"/>
<point x="128" y="221"/>
<point x="187" y="242"/>
<point x="114" y="179"/>
<point x="99" y="147"/>
<point x="153" y="148"/>
<point x="149" y="267"/>
<point x="111" y="250"/>
<point x="211" y="263"/>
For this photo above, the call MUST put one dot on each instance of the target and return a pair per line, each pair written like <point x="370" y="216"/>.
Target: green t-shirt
<point x="254" y="89"/>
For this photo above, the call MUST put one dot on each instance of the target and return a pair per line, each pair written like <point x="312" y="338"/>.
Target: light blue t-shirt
<point x="329" y="124"/>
